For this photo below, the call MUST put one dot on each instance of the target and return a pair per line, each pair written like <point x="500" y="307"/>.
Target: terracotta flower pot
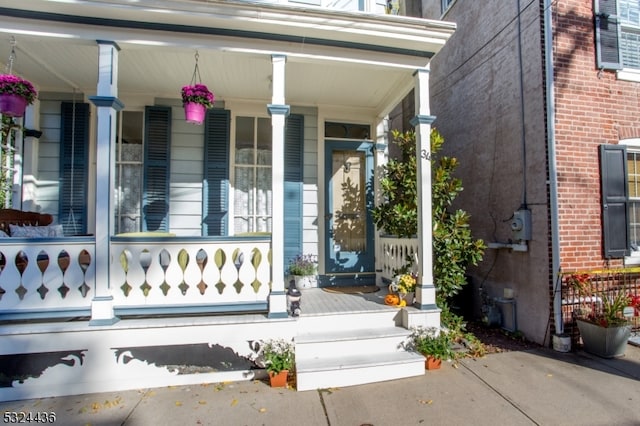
<point x="194" y="113"/>
<point x="432" y="363"/>
<point x="12" y="105"/>
<point x="278" y="380"/>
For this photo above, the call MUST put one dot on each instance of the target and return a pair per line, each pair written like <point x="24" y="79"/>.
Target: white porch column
<point x="278" y="111"/>
<point x="108" y="105"/>
<point x="426" y="291"/>
<point x="29" y="159"/>
<point x="380" y="159"/>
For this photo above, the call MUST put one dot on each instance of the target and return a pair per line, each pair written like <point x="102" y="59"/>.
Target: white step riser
<point x="357" y="376"/>
<point x="321" y="349"/>
<point x="343" y="322"/>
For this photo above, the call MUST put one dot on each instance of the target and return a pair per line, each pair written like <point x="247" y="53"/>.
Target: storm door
<point x="349" y="241"/>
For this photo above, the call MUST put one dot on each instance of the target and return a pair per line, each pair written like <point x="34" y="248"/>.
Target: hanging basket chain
<point x="12" y="56"/>
<point x="196" y="71"/>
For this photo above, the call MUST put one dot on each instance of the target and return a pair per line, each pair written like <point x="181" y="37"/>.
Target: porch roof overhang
<point x="339" y="58"/>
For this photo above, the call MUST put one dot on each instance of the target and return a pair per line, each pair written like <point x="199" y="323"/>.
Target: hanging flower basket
<point x="194" y="112"/>
<point x="196" y="97"/>
<point x="15" y="94"/>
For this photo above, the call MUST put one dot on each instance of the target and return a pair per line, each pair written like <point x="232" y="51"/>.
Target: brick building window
<point x="633" y="179"/>
<point x="617" y="36"/>
<point x="630" y="33"/>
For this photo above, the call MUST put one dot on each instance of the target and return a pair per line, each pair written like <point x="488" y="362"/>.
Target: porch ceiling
<point x="352" y="67"/>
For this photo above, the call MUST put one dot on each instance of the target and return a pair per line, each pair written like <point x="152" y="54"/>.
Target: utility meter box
<point x="521" y="225"/>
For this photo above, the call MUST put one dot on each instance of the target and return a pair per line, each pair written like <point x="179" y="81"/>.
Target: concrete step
<point x="337" y="371"/>
<point x="350" y="342"/>
<point x="342" y="321"/>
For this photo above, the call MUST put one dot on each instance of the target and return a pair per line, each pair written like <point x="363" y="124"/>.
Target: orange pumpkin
<point x="391" y="299"/>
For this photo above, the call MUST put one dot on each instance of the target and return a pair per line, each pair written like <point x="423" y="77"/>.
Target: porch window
<point x="252" y="175"/>
<point x="128" y="190"/>
<point x="7" y="159"/>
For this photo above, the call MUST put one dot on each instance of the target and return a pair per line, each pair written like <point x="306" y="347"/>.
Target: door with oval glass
<point x="349" y="241"/>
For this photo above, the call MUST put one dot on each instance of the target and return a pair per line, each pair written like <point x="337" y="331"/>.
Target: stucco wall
<point x="477" y="97"/>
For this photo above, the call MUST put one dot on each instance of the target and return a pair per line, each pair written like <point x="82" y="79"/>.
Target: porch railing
<point x="46" y="277"/>
<point x="178" y="274"/>
<point x="54" y="278"/>
<point x="393" y="253"/>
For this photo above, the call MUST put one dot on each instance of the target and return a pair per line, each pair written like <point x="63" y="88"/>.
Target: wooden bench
<point x="20" y="218"/>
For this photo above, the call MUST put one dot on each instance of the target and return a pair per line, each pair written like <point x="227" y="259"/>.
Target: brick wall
<point x="593" y="107"/>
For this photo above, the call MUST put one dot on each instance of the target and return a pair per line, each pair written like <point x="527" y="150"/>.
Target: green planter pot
<point x="605" y="342"/>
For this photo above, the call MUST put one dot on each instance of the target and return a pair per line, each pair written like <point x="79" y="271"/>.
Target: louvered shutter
<point x="607" y="23"/>
<point x="293" y="155"/>
<point x="155" y="192"/>
<point x="74" y="158"/>
<point x="615" y="214"/>
<point x="216" y="173"/>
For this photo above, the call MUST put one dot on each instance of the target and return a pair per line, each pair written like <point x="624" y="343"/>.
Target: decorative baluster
<point x="165" y="259"/>
<point x="84" y="260"/>
<point x="145" y="262"/>
<point x="201" y="260"/>
<point x="183" y="261"/>
<point x="21" y="261"/>
<point x="63" y="264"/>
<point x="43" y="262"/>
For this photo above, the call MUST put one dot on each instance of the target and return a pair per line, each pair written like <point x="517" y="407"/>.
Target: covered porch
<point x="200" y="261"/>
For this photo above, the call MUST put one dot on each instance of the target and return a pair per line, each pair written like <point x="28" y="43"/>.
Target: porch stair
<point x="354" y="354"/>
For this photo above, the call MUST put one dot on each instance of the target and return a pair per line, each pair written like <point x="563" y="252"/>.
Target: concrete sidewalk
<point x="537" y="387"/>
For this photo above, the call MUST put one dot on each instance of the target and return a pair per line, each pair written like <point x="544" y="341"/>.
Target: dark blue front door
<point x="349" y="241"/>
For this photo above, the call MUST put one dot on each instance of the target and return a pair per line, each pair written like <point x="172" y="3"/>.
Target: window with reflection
<point x="252" y="175"/>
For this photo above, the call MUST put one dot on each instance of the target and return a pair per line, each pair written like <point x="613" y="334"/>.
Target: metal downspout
<point x="553" y="175"/>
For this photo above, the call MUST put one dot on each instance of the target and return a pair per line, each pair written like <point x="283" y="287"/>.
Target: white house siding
<point x="185" y="198"/>
<point x="310" y="180"/>
<point x="48" y="172"/>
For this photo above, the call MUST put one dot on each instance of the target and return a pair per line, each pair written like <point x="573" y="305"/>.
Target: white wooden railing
<point x="46" y="276"/>
<point x="393" y="253"/>
<point x="190" y="273"/>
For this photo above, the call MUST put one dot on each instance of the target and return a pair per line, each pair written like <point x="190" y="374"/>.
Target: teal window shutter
<point x="293" y="163"/>
<point x="74" y="157"/>
<point x="215" y="188"/>
<point x="607" y="23"/>
<point x="615" y="196"/>
<point x="155" y="191"/>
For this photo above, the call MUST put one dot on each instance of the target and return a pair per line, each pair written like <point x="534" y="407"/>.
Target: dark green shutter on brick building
<point x="607" y="26"/>
<point x="615" y="196"/>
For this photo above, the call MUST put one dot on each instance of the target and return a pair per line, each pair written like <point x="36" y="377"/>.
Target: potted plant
<point x="600" y="316"/>
<point x="303" y="269"/>
<point x="433" y="343"/>
<point x="279" y="359"/>
<point x="196" y="99"/>
<point x="15" y="94"/>
<point x="405" y="285"/>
